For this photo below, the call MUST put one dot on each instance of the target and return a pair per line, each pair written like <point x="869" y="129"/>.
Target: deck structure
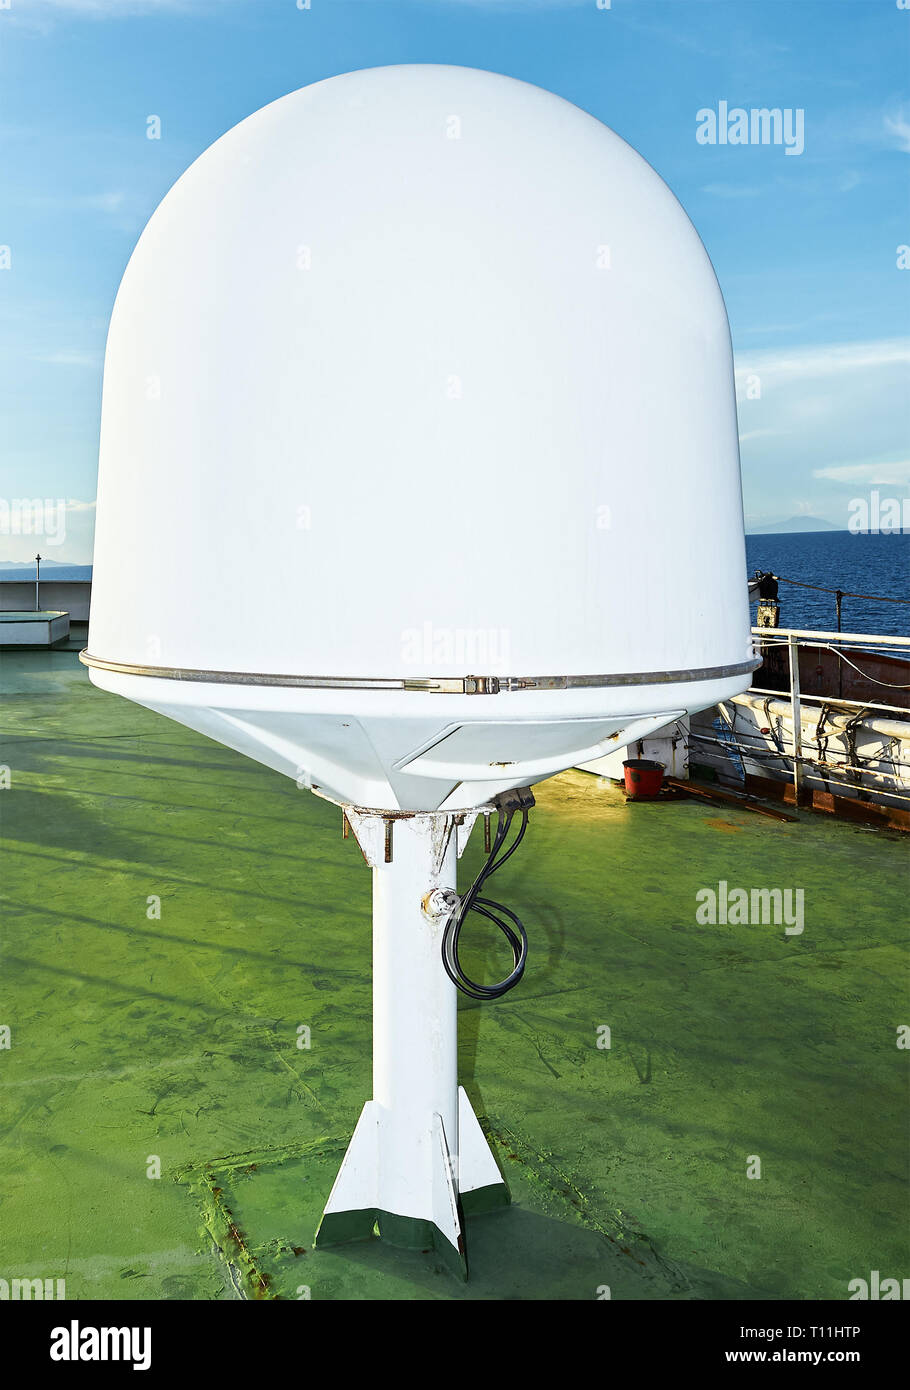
<point x="184" y="975"/>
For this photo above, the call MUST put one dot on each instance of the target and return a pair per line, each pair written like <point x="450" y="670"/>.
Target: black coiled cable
<point x="493" y="911"/>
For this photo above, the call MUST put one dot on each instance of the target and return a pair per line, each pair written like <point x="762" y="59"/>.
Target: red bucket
<point x="643" y="777"/>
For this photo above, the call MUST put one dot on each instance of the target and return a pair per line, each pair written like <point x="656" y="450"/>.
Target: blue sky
<point x="805" y="246"/>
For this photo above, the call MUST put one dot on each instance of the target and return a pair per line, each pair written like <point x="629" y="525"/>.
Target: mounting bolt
<point x="439" y="902"/>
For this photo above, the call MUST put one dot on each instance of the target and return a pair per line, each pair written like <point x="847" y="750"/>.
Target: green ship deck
<point x="136" y="1037"/>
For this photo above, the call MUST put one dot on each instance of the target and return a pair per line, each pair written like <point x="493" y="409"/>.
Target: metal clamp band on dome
<point x="439" y="685"/>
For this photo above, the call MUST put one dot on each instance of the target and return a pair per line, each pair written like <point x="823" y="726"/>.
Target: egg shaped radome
<point x="419" y="465"/>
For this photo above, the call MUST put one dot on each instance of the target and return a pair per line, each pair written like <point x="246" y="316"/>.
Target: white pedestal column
<point x="418" y="1154"/>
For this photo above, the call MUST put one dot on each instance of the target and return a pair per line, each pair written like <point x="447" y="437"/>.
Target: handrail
<point x="879" y="639"/>
<point x="874" y="706"/>
<point x="791" y="638"/>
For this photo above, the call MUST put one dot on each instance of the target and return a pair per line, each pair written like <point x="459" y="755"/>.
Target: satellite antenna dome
<point x="419" y="482"/>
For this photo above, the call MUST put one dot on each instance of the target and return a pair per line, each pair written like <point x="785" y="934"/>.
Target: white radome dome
<point x="419" y="375"/>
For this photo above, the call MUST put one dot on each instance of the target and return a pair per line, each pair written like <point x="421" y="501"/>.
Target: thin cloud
<point x="897" y="126"/>
<point x="733" y="190"/>
<point x="42" y="16"/>
<point x="90" y="202"/>
<point x="103" y="202"/>
<point x="68" y="357"/>
<point x="896" y="472"/>
<point x="826" y="360"/>
<point x="118" y="9"/>
<point x="827" y="417"/>
<point x="756" y="434"/>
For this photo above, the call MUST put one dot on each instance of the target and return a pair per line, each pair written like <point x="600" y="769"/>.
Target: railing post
<point x="793" y="653"/>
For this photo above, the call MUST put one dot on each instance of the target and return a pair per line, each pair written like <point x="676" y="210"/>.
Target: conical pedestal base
<point x="417" y="1200"/>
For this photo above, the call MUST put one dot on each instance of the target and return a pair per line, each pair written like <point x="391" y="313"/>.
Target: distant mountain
<point x="30" y="564"/>
<point x="794" y="523"/>
<point x="23" y="572"/>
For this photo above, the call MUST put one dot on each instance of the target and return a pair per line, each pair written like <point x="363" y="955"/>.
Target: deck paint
<point x="135" y="1036"/>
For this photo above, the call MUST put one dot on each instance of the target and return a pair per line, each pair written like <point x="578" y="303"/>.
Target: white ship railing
<point x="875" y="715"/>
